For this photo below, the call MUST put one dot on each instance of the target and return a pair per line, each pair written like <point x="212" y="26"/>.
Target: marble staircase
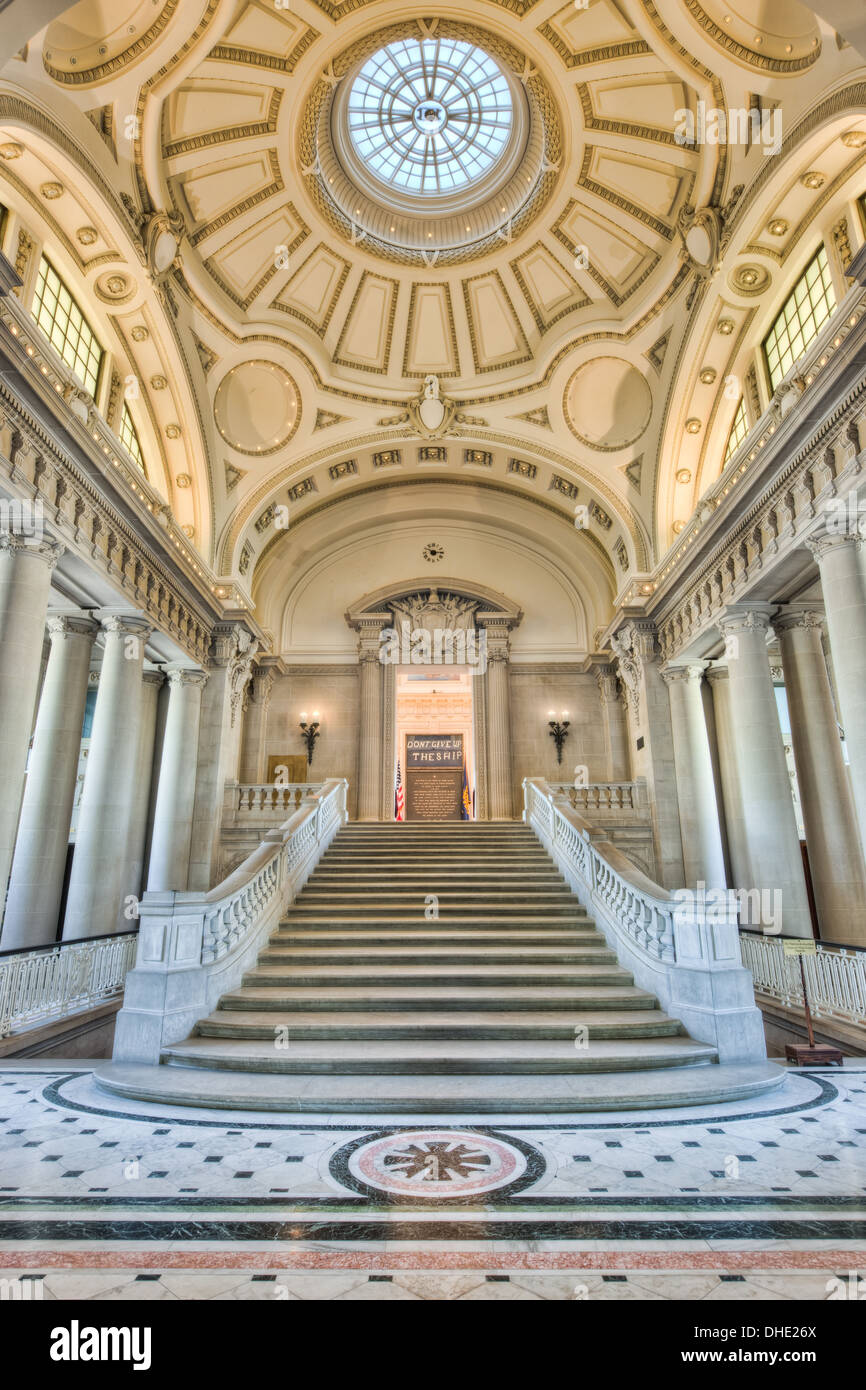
<point x="439" y="967"/>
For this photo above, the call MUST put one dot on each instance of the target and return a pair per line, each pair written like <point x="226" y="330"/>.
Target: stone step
<point x="521" y="880"/>
<point x="461" y="936"/>
<point x="440" y="1095"/>
<point x="373" y="919"/>
<point x="453" y="998"/>
<point x="430" y="955"/>
<point x="426" y="1024"/>
<point x="445" y="1058"/>
<point x="370" y="906"/>
<point x="314" y="894"/>
<point x="425" y="975"/>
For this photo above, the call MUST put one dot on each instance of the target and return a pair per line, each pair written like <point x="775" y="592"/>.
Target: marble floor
<point x="102" y="1199"/>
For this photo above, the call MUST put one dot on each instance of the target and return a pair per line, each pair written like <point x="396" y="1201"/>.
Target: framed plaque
<point x="434" y="776"/>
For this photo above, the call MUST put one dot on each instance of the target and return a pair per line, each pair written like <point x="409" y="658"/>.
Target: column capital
<point x="795" y="617"/>
<point x="716" y="672"/>
<point x="71" y="625"/>
<point x="691" y="672"/>
<point x="49" y="552"/>
<point x="822" y="545"/>
<point x="152" y="677"/>
<point x="184" y="675"/>
<point x="126" y="625"/>
<point x="606" y="680"/>
<point x="261" y="685"/>
<point x="753" y="617"/>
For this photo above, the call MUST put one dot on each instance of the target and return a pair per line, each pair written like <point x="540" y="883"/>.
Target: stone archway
<point x="452" y="610"/>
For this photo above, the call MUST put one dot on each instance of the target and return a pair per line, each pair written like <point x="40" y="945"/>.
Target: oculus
<point x="430" y="116"/>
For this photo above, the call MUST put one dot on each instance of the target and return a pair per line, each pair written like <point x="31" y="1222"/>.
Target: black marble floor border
<point x="568" y="1202"/>
<point x="391" y="1232"/>
<point x="827" y="1093"/>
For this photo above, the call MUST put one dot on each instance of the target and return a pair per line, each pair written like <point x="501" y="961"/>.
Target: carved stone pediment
<point x="431" y="611"/>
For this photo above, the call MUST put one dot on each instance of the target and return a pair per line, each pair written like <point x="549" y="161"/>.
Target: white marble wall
<point x="333" y="691"/>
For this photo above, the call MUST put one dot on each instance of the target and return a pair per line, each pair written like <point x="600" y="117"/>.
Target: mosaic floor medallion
<point x="437" y="1164"/>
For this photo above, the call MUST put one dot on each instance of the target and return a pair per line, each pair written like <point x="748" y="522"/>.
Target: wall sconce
<point x="558" y="730"/>
<point x="309" y="733"/>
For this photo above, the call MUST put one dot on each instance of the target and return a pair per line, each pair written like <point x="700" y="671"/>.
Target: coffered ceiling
<point x="568" y="326"/>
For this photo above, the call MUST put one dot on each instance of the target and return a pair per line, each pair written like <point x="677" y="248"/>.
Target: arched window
<point x="128" y="436"/>
<point x="739" y="430"/>
<point x="63" y="323"/>
<point x="801" y="318"/>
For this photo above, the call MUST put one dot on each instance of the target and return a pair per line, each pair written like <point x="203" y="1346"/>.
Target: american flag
<point x="399" y="803"/>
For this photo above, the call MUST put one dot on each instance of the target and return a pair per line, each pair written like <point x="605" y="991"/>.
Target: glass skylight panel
<point x="739" y="430"/>
<point x="801" y="318"/>
<point x="63" y="323"/>
<point x="430" y="116"/>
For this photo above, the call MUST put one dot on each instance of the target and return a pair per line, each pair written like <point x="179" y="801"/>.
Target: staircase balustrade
<point x="195" y="946"/>
<point x="683" y="946"/>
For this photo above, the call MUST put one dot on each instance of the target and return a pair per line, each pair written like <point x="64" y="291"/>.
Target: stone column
<point x="151" y="683"/>
<point x="39" y="865"/>
<point x="720" y="685"/>
<point x="175" y="798"/>
<point x="252" y="768"/>
<point x="842" y="564"/>
<point x="703" y="857"/>
<point x="769" y="827"/>
<point x="636" y="651"/>
<point x="370" y="749"/>
<point x="25" y="582"/>
<point x="615" y="725"/>
<point x="832" y="837"/>
<point x="234" y="650"/>
<point x="499" y="780"/>
<point x="101" y="879"/>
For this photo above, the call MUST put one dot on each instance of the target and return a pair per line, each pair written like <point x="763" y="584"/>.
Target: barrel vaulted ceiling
<point x="278" y="355"/>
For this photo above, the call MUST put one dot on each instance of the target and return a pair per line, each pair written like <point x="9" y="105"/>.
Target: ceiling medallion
<point x="854" y="139"/>
<point x="607" y="404"/>
<point x="725" y="327"/>
<point x="52" y="190"/>
<point x="684" y="475"/>
<point x="777" y="227"/>
<point x="708" y="375"/>
<point x="430" y="145"/>
<point x="183" y="480"/>
<point x="693" y="426"/>
<point x="173" y="431"/>
<point x="87" y="235"/>
<point x="257" y="407"/>
<point x="140" y="333"/>
<point x="678" y="527"/>
<point x="433" y="552"/>
<point x="749" y="279"/>
<point x="814" y="179"/>
<point x="11" y="150"/>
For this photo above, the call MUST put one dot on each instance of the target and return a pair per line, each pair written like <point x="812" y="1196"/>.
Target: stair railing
<point x="193" y="947"/>
<point x="51" y="982"/>
<point x="681" y="945"/>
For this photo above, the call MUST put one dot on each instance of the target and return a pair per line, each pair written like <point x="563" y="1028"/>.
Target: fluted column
<point x="175" y="797"/>
<point x="255" y="725"/>
<point x="842" y="565"/>
<point x="151" y="684"/>
<point x="615" y="725"/>
<point x="829" y="816"/>
<point x="25" y="583"/>
<point x="370" y="749"/>
<point x="101" y="880"/>
<point x="720" y="685"/>
<point x="703" y="856"/>
<point x="769" y="827"/>
<point x="499" y="780"/>
<point x="39" y="865"/>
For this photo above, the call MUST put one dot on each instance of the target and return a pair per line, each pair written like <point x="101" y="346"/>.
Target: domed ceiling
<point x="519" y="233"/>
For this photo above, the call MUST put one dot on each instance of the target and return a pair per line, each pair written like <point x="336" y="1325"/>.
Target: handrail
<point x="47" y="983"/>
<point x="835" y="979"/>
<point x="194" y="946"/>
<point x="683" y="946"/>
<point x="74" y="941"/>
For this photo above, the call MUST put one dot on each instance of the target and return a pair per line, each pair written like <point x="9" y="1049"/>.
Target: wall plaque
<point x="434" y="776"/>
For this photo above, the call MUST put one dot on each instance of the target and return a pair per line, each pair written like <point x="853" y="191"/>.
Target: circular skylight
<point x="430" y="116"/>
